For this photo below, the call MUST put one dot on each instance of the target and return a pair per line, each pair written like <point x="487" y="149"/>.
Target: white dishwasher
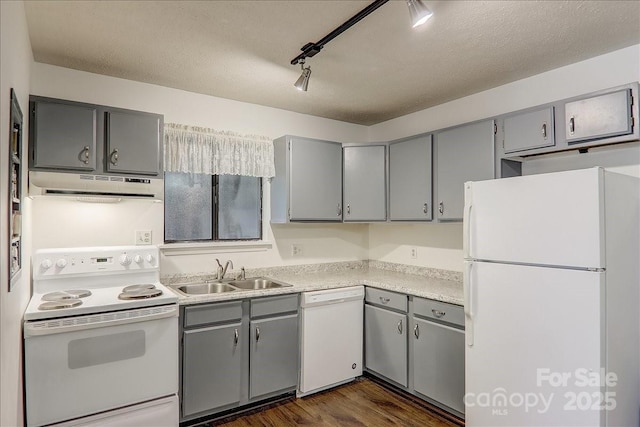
<point x="331" y="329"/>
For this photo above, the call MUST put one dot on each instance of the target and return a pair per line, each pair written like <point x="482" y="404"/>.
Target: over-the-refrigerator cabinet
<point x="551" y="284"/>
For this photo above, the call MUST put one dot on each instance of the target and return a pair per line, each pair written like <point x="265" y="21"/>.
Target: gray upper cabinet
<point x="308" y="181"/>
<point x="365" y="183"/>
<point x="73" y="136"/>
<point x="526" y="131"/>
<point x="386" y="343"/>
<point x="63" y="136"/>
<point x="597" y="117"/>
<point x="212" y="367"/>
<point x="133" y="143"/>
<point x="464" y="153"/>
<point x="273" y="355"/>
<point x="410" y="183"/>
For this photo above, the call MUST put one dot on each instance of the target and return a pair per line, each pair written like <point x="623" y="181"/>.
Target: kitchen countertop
<point x="440" y="285"/>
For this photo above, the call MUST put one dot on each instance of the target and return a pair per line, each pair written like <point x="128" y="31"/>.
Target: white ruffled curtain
<point x="193" y="149"/>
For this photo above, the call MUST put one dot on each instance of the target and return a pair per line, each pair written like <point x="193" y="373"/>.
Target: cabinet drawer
<point x="212" y="313"/>
<point x="437" y="310"/>
<point x="274" y="305"/>
<point x="386" y="299"/>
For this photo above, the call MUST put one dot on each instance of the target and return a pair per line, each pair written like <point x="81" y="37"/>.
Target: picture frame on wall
<point x="14" y="219"/>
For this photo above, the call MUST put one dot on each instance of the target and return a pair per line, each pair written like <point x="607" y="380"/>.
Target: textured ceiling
<point x="377" y="70"/>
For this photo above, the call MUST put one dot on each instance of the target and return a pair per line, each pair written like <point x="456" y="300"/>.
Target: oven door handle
<point x="100" y="320"/>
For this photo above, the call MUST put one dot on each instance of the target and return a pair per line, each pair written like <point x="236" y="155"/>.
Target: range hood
<point x="98" y="186"/>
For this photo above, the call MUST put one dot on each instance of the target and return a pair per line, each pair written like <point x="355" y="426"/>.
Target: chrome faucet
<point x="223" y="270"/>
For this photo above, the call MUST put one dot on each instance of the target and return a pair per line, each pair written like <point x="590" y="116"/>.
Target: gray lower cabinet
<point x="308" y="181"/>
<point x="386" y="343"/>
<point x="438" y="363"/>
<point x="63" y="136"/>
<point x="133" y="143"/>
<point x="410" y="182"/>
<point x="237" y="353"/>
<point x="465" y="153"/>
<point x="273" y="355"/>
<point x="212" y="366"/>
<point x="365" y="183"/>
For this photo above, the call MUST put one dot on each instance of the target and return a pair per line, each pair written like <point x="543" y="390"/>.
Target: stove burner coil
<point x="140" y="294"/>
<point x="66" y="295"/>
<point x="56" y="305"/>
<point x="135" y="288"/>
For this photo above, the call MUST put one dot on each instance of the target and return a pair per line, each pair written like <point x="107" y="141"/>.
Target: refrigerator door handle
<point x="466" y="231"/>
<point x="466" y="223"/>
<point x="468" y="303"/>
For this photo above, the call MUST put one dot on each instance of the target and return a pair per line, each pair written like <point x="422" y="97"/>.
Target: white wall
<point x="67" y="223"/>
<point x="440" y="245"/>
<point x="15" y="67"/>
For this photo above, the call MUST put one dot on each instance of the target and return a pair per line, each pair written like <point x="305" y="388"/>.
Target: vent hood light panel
<point x="94" y="187"/>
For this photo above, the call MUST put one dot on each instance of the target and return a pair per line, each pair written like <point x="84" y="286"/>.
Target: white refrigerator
<point x="551" y="300"/>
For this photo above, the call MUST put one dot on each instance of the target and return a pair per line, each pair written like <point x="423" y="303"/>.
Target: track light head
<point x="419" y="12"/>
<point x="303" y="81"/>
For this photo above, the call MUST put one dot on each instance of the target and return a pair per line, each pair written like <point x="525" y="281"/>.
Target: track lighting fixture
<point x="419" y="12"/>
<point x="419" y="15"/>
<point x="303" y="81"/>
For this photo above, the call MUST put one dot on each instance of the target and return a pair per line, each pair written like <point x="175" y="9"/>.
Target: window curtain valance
<point x="193" y="149"/>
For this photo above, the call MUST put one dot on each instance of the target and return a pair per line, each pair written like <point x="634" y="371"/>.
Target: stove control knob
<point x="61" y="263"/>
<point x="125" y="259"/>
<point x="150" y="259"/>
<point x="46" y="264"/>
<point x="137" y="259"/>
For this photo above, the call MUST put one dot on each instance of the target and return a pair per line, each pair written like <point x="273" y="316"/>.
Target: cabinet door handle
<point x="572" y="125"/>
<point x="544" y="130"/>
<point x="439" y="314"/>
<point x="400" y="327"/>
<point x="86" y="154"/>
<point x="441" y="208"/>
<point x="348" y="209"/>
<point x="425" y="208"/>
<point x="339" y="210"/>
<point x="416" y="331"/>
<point x="257" y="334"/>
<point x="384" y="300"/>
<point x="113" y="158"/>
<point x="235" y="337"/>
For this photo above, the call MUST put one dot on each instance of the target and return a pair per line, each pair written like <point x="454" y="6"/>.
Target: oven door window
<point x="106" y="349"/>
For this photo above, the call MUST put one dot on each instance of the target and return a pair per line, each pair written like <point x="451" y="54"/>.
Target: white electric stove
<point x="101" y="339"/>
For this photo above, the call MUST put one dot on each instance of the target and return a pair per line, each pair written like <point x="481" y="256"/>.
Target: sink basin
<point x="203" y="288"/>
<point x="258" y="283"/>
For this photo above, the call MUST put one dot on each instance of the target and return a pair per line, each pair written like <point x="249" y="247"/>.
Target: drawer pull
<point x="438" y="313"/>
<point x="385" y="300"/>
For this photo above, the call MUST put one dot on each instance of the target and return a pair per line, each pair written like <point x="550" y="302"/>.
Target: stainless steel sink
<point x="203" y="288"/>
<point x="257" y="283"/>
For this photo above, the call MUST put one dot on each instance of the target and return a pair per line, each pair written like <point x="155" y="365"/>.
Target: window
<point x="212" y="207"/>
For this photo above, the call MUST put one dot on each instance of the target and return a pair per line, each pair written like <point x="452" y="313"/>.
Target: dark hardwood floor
<point x="360" y="403"/>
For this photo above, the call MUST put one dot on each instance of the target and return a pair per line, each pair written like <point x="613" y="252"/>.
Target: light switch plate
<point x="414" y="252"/>
<point x="143" y="237"/>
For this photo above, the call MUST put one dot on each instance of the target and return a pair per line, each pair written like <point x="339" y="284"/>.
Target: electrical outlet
<point x="143" y="237"/>
<point x="296" y="249"/>
<point x="414" y="252"/>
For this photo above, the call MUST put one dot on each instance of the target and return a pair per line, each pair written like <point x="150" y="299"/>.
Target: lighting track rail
<point x="311" y="49"/>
